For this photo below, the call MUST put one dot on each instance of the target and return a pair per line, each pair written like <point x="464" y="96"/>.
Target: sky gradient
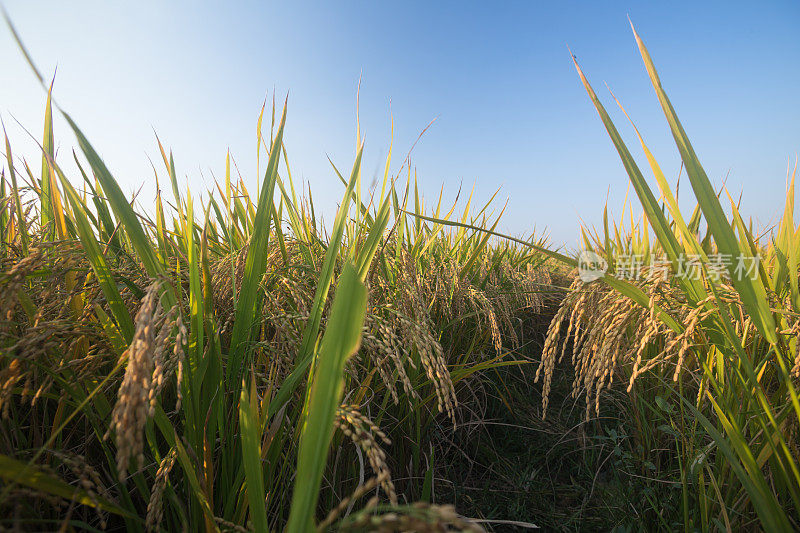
<point x="510" y="111"/>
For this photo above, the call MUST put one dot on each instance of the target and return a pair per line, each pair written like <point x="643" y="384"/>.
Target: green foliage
<point x="734" y="416"/>
<point x="199" y="367"/>
<point x="196" y="369"/>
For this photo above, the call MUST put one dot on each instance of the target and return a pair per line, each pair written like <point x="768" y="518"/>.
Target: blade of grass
<point x="25" y="474"/>
<point x="255" y="266"/>
<point x="341" y="340"/>
<point x="752" y="293"/>
<point x="250" y="426"/>
<point x="21" y="223"/>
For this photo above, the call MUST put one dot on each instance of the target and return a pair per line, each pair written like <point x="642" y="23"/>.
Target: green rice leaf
<point x="250" y="426"/>
<point x="15" y="471"/>
<point x="255" y="267"/>
<point x="751" y="291"/>
<point x="341" y="340"/>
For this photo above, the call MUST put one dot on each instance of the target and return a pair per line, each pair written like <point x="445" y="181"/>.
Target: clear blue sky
<point x="511" y="111"/>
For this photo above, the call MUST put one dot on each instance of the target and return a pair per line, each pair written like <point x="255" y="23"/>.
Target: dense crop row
<point x="230" y="364"/>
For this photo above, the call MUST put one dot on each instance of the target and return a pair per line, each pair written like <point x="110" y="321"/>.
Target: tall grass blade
<point x="20" y="215"/>
<point x="751" y="292"/>
<point x="255" y="266"/>
<point x="341" y="340"/>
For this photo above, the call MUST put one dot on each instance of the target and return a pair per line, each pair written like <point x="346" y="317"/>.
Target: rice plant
<point x="700" y="326"/>
<point x="712" y="356"/>
<point x="230" y="364"/>
<point x="226" y="362"/>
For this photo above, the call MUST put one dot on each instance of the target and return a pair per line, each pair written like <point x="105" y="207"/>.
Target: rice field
<point x="224" y="362"/>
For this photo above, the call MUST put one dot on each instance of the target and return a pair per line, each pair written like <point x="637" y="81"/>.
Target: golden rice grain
<point x="155" y="509"/>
